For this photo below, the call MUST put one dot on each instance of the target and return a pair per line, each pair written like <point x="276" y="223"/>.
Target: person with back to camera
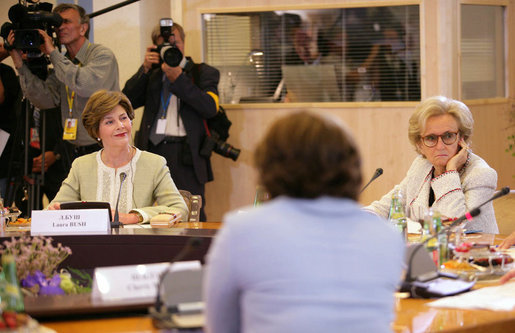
<point x="96" y="177"/>
<point x="308" y="260"/>
<point x="177" y="101"/>
<point x="85" y="68"/>
<point x="446" y="175"/>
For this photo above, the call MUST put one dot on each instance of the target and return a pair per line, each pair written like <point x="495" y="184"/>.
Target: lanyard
<point x="165" y="105"/>
<point x="70" y="98"/>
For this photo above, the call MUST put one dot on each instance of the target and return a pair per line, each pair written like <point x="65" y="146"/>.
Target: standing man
<point x="85" y="68"/>
<point x="9" y="98"/>
<point x="177" y="102"/>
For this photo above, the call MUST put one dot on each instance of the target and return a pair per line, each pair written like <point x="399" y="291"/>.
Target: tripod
<point x="27" y="187"/>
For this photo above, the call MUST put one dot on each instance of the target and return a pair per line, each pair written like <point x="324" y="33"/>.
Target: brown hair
<point x="307" y="155"/>
<point x="99" y="105"/>
<point x="84" y="19"/>
<point x="156" y="32"/>
<point x="437" y="106"/>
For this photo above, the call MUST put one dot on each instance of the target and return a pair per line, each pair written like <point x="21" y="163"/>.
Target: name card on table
<point x="70" y="222"/>
<point x="131" y="283"/>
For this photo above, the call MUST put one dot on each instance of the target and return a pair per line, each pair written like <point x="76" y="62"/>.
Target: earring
<point x="98" y="139"/>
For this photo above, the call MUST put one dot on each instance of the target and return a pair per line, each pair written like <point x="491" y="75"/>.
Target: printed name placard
<point x="131" y="283"/>
<point x="70" y="222"/>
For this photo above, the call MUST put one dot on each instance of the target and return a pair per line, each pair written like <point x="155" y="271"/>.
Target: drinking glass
<point x="261" y="196"/>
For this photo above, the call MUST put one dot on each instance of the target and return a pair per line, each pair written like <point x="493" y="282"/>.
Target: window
<point x="482" y="51"/>
<point x="316" y="55"/>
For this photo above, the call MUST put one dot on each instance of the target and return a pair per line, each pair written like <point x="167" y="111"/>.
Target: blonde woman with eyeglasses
<point x="446" y="175"/>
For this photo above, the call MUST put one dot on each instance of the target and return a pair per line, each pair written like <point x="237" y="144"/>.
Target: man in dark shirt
<point x="177" y="102"/>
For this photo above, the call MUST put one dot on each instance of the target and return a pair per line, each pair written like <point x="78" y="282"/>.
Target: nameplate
<point x="70" y="222"/>
<point x="131" y="283"/>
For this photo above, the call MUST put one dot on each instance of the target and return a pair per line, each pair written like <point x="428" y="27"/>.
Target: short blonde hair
<point x="436" y="106"/>
<point x="308" y="155"/>
<point x="99" y="105"/>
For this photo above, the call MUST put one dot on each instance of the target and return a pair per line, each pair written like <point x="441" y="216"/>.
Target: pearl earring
<point x="98" y="139"/>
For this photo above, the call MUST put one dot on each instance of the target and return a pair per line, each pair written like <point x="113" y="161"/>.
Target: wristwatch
<point x="138" y="214"/>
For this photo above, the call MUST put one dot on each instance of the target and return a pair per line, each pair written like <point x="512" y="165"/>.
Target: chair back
<point x="504" y="208"/>
<point x="194" y="203"/>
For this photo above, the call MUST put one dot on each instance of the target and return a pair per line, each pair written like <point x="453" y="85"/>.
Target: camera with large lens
<point x="26" y="17"/>
<point x="213" y="143"/>
<point x="169" y="53"/>
<point x="217" y="135"/>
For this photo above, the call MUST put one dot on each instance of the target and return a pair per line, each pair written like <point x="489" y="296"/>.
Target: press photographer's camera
<point x="213" y="143"/>
<point x="26" y="17"/>
<point x="218" y="133"/>
<point x="169" y="53"/>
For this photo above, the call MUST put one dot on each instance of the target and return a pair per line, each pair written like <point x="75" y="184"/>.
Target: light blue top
<point x="297" y="265"/>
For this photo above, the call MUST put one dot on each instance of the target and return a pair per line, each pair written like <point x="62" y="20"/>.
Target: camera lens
<point x="171" y="55"/>
<point x="226" y="150"/>
<point x="29" y="39"/>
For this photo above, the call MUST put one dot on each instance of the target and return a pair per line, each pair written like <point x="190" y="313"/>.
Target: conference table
<point x="412" y="315"/>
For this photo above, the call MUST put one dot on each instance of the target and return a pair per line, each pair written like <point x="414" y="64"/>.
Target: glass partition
<point x="482" y="52"/>
<point x="316" y="55"/>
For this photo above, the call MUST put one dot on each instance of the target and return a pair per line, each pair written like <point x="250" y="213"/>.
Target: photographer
<point x="177" y="100"/>
<point x="85" y="68"/>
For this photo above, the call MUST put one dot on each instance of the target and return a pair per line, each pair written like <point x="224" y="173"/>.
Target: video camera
<point x="27" y="16"/>
<point x="169" y="53"/>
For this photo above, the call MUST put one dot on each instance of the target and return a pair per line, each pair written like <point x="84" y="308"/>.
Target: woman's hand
<point x="508" y="241"/>
<point x="130" y="218"/>
<point x="458" y="160"/>
<point x="54" y="206"/>
<point x="506" y="277"/>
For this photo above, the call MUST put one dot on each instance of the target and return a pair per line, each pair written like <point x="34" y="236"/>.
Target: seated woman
<point x="446" y="175"/>
<point x="308" y="260"/>
<point x="96" y="177"/>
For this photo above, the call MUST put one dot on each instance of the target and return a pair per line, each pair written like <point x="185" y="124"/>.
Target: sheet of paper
<point x="4" y="136"/>
<point x="497" y="298"/>
<point x="413" y="227"/>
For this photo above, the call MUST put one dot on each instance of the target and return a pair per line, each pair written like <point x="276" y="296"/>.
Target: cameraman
<point x="85" y="68"/>
<point x="177" y="100"/>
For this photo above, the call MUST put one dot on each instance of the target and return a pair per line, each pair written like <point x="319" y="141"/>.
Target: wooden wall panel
<point x="380" y="129"/>
<point x="381" y="134"/>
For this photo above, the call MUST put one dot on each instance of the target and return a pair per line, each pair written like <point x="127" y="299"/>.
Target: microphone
<point x="192" y="244"/>
<point x="379" y="172"/>
<point x="116" y="220"/>
<point x="408" y="280"/>
<point x="505" y="190"/>
<point x="468" y="216"/>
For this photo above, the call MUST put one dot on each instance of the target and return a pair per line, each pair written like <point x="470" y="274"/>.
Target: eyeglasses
<point x="432" y="139"/>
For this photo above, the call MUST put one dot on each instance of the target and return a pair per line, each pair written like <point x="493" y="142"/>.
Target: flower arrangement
<point x="37" y="260"/>
<point x="35" y="254"/>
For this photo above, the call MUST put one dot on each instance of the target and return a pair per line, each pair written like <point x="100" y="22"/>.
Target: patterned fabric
<point x="108" y="183"/>
<point x="148" y="188"/>
<point x="455" y="192"/>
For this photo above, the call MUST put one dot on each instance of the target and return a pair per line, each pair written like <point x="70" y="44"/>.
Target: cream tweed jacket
<point x="148" y="189"/>
<point x="455" y="192"/>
